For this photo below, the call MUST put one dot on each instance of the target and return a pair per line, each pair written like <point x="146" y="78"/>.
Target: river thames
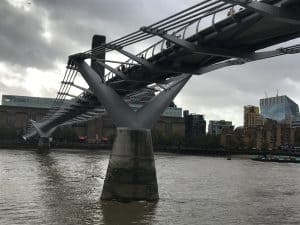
<point x="64" y="187"/>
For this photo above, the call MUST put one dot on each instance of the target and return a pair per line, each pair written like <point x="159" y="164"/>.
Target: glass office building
<point x="278" y="108"/>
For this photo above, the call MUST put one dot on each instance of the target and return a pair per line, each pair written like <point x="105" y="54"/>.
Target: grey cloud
<point x="49" y="92"/>
<point x="4" y="89"/>
<point x="231" y="88"/>
<point x="20" y="39"/>
<point x="72" y="24"/>
<point x="81" y="19"/>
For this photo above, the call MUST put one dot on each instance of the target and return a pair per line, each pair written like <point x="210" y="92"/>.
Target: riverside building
<point x="296" y="121"/>
<point x="215" y="127"/>
<point x="252" y="117"/>
<point x="279" y="108"/>
<point x="195" y="125"/>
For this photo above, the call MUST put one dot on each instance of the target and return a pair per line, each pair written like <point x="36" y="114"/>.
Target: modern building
<point x="16" y="111"/>
<point x="216" y="127"/>
<point x="195" y="125"/>
<point x="296" y="121"/>
<point x="252" y="117"/>
<point x="279" y="108"/>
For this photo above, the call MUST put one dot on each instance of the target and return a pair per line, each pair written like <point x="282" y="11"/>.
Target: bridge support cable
<point x="83" y="116"/>
<point x="115" y="71"/>
<point x="65" y="112"/>
<point x="179" y="19"/>
<point x="137" y="59"/>
<point x="67" y="94"/>
<point x="78" y="87"/>
<point x="80" y="118"/>
<point x="142" y="61"/>
<point x="65" y="88"/>
<point x="182" y="19"/>
<point x="117" y="62"/>
<point x="279" y="13"/>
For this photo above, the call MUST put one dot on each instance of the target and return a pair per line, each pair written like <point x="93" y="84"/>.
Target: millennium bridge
<point x="208" y="36"/>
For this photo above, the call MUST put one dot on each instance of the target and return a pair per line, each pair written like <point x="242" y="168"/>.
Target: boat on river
<point x="277" y="158"/>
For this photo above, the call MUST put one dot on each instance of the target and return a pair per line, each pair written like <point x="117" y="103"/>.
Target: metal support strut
<point x="119" y="110"/>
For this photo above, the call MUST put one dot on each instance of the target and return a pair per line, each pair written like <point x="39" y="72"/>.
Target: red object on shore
<point x="104" y="140"/>
<point x="83" y="138"/>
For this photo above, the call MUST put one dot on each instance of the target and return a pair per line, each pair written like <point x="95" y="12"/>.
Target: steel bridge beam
<point x="78" y="87"/>
<point x="250" y="58"/>
<point x="66" y="94"/>
<point x="212" y="51"/>
<point x="135" y="58"/>
<point x="146" y="63"/>
<point x="113" y="70"/>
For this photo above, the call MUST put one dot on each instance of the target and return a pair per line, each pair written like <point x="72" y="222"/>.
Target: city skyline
<point x="38" y="36"/>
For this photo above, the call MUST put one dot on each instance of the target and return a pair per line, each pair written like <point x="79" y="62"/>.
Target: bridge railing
<point x="180" y="32"/>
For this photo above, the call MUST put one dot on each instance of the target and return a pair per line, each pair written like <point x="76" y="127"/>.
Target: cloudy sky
<point x="37" y="36"/>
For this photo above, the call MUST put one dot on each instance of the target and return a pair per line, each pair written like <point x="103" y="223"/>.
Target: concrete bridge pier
<point x="44" y="139"/>
<point x="131" y="173"/>
<point x="44" y="144"/>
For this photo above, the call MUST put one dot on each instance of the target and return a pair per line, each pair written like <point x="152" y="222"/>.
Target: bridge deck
<point x="250" y="32"/>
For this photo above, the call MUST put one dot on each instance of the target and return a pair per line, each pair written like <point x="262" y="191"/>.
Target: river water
<point x="64" y="187"/>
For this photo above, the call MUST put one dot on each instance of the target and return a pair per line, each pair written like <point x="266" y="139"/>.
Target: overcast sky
<point x="36" y="38"/>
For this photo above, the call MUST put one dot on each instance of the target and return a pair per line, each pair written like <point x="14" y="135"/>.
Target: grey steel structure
<point x="234" y="40"/>
<point x="194" y="41"/>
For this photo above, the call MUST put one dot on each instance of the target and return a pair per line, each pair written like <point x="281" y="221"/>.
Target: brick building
<point x="270" y="136"/>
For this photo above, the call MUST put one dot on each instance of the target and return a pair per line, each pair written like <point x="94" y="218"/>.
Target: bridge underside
<point x="164" y="68"/>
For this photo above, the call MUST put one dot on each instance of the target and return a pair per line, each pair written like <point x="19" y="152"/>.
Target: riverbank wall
<point x="184" y="150"/>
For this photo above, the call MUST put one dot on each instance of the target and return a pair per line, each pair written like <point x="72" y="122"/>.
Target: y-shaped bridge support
<point x="44" y="140"/>
<point x="131" y="174"/>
